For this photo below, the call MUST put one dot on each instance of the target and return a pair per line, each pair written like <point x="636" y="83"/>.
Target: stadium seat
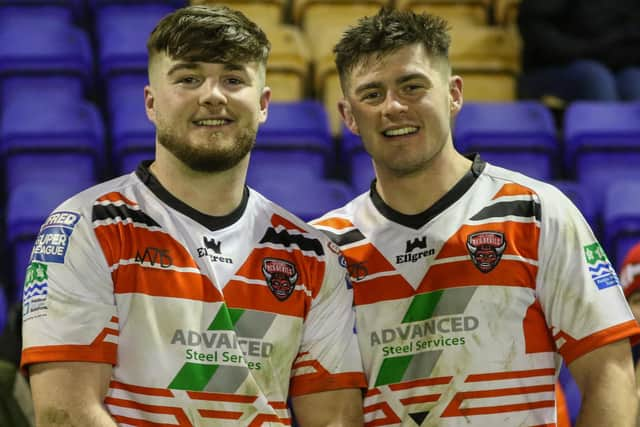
<point x="265" y="13"/>
<point x="505" y="12"/>
<point x="488" y="59"/>
<point x="122" y="31"/>
<point x="44" y="141"/>
<point x="456" y="12"/>
<point x="288" y="68"/>
<point x="28" y="205"/>
<point x="359" y="166"/>
<point x="585" y="204"/>
<point x="602" y="142"/>
<point x="295" y="136"/>
<point x="4" y="309"/>
<point x="517" y="135"/>
<point x="329" y="18"/>
<point x="307" y="197"/>
<point x="621" y="218"/>
<point x="76" y="7"/>
<point x="42" y="40"/>
<point x="132" y="134"/>
<point x="44" y="87"/>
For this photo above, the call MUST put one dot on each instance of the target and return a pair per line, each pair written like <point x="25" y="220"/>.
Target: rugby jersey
<point x="462" y="311"/>
<point x="208" y="321"/>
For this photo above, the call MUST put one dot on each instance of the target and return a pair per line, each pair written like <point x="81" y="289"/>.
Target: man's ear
<point x="149" y="103"/>
<point x="265" y="98"/>
<point x="455" y="95"/>
<point x="347" y="116"/>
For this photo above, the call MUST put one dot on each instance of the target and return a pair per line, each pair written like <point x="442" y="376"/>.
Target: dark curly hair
<point x="388" y="31"/>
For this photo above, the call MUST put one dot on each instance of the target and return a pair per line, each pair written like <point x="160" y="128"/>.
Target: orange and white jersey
<point x="462" y="311"/>
<point x="208" y="321"/>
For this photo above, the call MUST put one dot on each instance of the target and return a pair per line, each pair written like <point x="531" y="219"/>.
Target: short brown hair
<point x="209" y="34"/>
<point x="388" y="31"/>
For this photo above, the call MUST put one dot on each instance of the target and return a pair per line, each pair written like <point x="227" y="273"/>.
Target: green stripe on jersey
<point x="193" y="376"/>
<point x="422" y="306"/>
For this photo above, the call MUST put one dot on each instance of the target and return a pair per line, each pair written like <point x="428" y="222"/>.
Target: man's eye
<point x="189" y="80"/>
<point x="370" y="96"/>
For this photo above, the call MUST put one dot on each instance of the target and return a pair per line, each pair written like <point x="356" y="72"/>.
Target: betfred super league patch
<point x="52" y="242"/>
<point x="281" y="277"/>
<point x="602" y="273"/>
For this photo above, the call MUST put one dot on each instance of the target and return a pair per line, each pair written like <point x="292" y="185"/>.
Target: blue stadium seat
<point x="42" y="40"/>
<point x="360" y="168"/>
<point x="4" y="310"/>
<point x="43" y="141"/>
<point x="602" y="142"/>
<point x="297" y="136"/>
<point x="76" y="7"/>
<point x="43" y="87"/>
<point x="305" y="196"/>
<point x="517" y="135"/>
<point x="571" y="393"/>
<point x="132" y="134"/>
<point x="28" y="205"/>
<point x="581" y="197"/>
<point x="122" y="31"/>
<point x="621" y="218"/>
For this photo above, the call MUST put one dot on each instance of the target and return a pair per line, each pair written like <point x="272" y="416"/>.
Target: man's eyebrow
<point x="367" y="86"/>
<point x="413" y="76"/>
<point x="183" y="66"/>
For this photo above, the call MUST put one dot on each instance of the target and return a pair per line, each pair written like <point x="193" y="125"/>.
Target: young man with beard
<point x="175" y="295"/>
<point x="471" y="281"/>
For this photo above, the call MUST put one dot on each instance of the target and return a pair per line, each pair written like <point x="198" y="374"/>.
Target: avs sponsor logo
<point x="486" y="249"/>
<point x="419" y="244"/>
<point x="52" y="242"/>
<point x="281" y="277"/>
<point x="36" y="289"/>
<point x="602" y="273"/>
<point x="153" y="256"/>
<point x="213" y="250"/>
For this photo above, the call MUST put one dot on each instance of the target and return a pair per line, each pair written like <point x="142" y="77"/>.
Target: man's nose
<point x="213" y="94"/>
<point x="393" y="104"/>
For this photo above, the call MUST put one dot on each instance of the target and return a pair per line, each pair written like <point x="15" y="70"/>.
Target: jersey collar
<point x="209" y="221"/>
<point x="416" y="221"/>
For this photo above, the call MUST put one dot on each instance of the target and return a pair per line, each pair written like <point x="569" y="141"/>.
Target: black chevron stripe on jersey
<point x="521" y="208"/>
<point x="122" y="212"/>
<point x="285" y="239"/>
<point x="345" y="238"/>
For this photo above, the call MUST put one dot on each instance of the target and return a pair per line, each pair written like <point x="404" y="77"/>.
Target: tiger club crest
<point x="281" y="277"/>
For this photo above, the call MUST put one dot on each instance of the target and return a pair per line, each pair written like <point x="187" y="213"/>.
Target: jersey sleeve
<point x="69" y="311"/>
<point x="329" y="358"/>
<point x="577" y="286"/>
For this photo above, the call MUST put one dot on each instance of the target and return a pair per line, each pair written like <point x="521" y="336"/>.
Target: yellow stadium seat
<point x="456" y="12"/>
<point x="265" y="13"/>
<point x="288" y="68"/>
<point x="505" y="12"/>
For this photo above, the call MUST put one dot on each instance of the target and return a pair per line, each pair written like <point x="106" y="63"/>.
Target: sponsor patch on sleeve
<point x="602" y="273"/>
<point x="52" y="242"/>
<point x="36" y="288"/>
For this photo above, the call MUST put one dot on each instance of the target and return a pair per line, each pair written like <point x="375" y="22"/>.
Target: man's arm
<point x="335" y="408"/>
<point x="607" y="382"/>
<point x="70" y="394"/>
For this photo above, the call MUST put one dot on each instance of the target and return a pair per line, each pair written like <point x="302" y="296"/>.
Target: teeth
<point x="217" y="122"/>
<point x="401" y="131"/>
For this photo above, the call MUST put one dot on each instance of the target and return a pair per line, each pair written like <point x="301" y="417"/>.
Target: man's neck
<point x="415" y="193"/>
<point x="216" y="194"/>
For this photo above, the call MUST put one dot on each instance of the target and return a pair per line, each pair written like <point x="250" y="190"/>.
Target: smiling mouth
<point x="212" y="122"/>
<point x="401" y="131"/>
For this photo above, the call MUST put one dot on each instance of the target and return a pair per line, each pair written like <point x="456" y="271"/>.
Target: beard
<point x="208" y="158"/>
